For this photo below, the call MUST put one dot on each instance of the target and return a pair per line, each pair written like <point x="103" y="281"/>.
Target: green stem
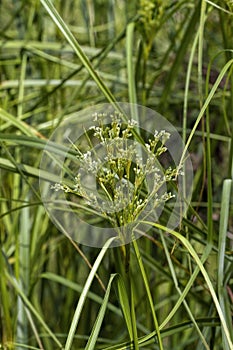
<point x="146" y="283"/>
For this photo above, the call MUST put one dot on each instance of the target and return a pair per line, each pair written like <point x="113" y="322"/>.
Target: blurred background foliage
<point x="172" y="58"/>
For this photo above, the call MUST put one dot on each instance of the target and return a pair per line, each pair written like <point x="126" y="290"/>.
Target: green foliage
<point x="171" y="289"/>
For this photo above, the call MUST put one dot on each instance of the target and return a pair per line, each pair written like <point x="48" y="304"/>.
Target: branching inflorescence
<point x="120" y="178"/>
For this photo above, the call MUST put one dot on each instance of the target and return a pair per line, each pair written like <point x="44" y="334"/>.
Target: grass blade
<point x="173" y="273"/>
<point x="192" y="252"/>
<point x="205" y="105"/>
<point x="29" y="305"/>
<point x="97" y="326"/>
<point x="223" y="226"/>
<point x="83" y="296"/>
<point x="149" y="296"/>
<point x="125" y="307"/>
<point x="77" y="48"/>
<point x="133" y="318"/>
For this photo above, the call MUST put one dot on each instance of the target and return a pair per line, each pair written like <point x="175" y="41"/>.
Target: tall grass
<point x="56" y="59"/>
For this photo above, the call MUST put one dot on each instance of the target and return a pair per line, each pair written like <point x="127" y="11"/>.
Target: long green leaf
<point x="192" y="252"/>
<point x="125" y="307"/>
<point x="83" y="296"/>
<point x="28" y="170"/>
<point x="78" y="288"/>
<point x="223" y="226"/>
<point x="97" y="326"/>
<point x="29" y="305"/>
<point x="176" y="284"/>
<point x="169" y="331"/>
<point x="204" y="107"/>
<point x="187" y="38"/>
<point x="19" y="124"/>
<point x="133" y="318"/>
<point x="148" y="292"/>
<point x="77" y="48"/>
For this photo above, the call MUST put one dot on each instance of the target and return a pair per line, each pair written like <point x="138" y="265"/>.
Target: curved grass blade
<point x="78" y="288"/>
<point x="125" y="307"/>
<point x="19" y="124"/>
<point x="28" y="304"/>
<point x="192" y="252"/>
<point x="133" y="318"/>
<point x="38" y="143"/>
<point x="83" y="296"/>
<point x="96" y="328"/>
<point x="130" y="67"/>
<point x="149" y="296"/>
<point x="187" y="38"/>
<point x="204" y="107"/>
<point x="77" y="48"/>
<point x="173" y="273"/>
<point x="27" y="170"/>
<point x="149" y="338"/>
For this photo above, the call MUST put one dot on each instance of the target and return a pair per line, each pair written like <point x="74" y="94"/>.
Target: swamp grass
<point x="175" y="58"/>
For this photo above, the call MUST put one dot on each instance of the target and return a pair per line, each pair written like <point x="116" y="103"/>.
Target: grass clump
<point x="171" y="289"/>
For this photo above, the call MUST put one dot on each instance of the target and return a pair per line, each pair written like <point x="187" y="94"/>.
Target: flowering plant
<point x="122" y="180"/>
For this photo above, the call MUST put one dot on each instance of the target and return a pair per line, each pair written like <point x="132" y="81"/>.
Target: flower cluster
<point x="119" y="178"/>
<point x="150" y="14"/>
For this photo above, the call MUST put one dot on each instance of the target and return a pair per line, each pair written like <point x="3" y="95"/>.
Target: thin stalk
<point x="131" y="71"/>
<point x="187" y="84"/>
<point x="24" y="274"/>
<point x="209" y="170"/>
<point x="204" y="107"/>
<point x="192" y="252"/>
<point x="223" y="226"/>
<point x="187" y="287"/>
<point x="149" y="296"/>
<point x="24" y="231"/>
<point x="200" y="50"/>
<point x="176" y="284"/>
<point x="21" y="85"/>
<point x="133" y="316"/>
<point x="185" y="112"/>
<point x="227" y="32"/>
<point x="6" y="330"/>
